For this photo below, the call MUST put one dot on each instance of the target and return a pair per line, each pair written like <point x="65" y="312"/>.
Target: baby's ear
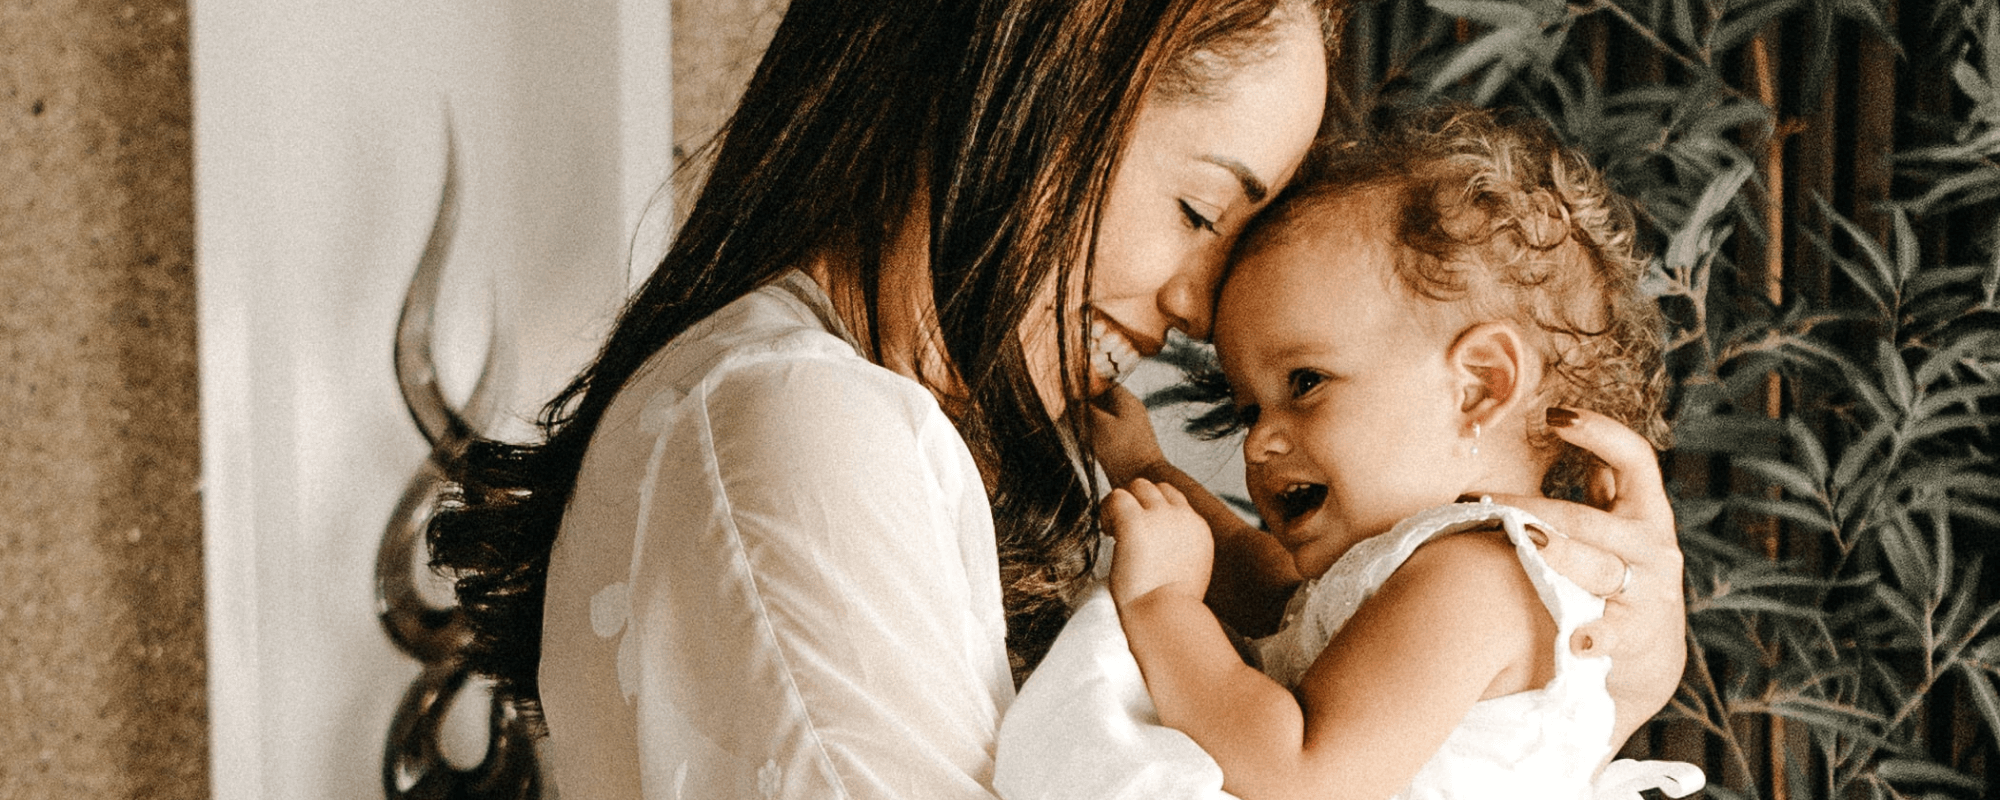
<point x="1495" y="370"/>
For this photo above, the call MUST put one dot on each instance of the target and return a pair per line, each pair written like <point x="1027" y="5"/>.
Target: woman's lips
<point x="1112" y="355"/>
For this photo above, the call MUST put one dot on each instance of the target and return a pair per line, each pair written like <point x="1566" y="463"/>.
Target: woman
<point x="818" y="498"/>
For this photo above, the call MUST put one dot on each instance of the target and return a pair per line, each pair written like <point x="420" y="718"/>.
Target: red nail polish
<point x="1561" y="417"/>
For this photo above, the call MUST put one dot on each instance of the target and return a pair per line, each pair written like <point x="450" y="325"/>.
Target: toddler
<point x="1404" y="337"/>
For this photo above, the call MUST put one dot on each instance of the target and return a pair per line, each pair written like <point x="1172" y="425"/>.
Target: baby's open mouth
<point x="1300" y="499"/>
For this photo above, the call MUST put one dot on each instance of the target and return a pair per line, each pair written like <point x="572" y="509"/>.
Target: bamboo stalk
<point x="1774" y="288"/>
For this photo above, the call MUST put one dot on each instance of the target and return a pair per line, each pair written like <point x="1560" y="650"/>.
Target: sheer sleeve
<point x="815" y="602"/>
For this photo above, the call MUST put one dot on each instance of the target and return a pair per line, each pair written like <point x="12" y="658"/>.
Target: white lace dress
<point x="1085" y="712"/>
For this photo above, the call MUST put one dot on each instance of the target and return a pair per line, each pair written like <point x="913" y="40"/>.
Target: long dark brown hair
<point x="1002" y="118"/>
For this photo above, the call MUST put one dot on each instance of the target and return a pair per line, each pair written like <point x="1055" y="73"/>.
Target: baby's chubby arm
<point x="1252" y="576"/>
<point x="1456" y="623"/>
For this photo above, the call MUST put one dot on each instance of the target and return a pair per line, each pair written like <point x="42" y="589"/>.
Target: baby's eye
<point x="1246" y="415"/>
<point x="1301" y="381"/>
<point x="1195" y="219"/>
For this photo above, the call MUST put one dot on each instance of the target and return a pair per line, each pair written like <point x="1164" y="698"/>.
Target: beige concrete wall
<point x="101" y="626"/>
<point x="716" y="46"/>
<point x="101" y="634"/>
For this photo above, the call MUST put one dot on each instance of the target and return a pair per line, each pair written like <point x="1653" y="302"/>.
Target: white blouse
<point x="776" y="578"/>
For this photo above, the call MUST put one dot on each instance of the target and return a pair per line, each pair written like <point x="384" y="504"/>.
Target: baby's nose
<point x="1264" y="441"/>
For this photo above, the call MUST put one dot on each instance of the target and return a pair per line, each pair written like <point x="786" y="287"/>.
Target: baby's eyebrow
<point x="1252" y="187"/>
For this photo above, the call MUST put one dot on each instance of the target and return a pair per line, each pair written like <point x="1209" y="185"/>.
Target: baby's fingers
<point x="1118" y="506"/>
<point x="1150" y="495"/>
<point x="1145" y="493"/>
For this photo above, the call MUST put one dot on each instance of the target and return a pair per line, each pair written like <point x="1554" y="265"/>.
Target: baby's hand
<point x="1163" y="545"/>
<point x="1122" y="436"/>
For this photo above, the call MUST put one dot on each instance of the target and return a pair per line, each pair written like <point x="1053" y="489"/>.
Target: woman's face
<point x="1192" y="175"/>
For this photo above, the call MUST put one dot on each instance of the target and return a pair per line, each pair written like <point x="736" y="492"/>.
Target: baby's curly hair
<point x="1500" y="220"/>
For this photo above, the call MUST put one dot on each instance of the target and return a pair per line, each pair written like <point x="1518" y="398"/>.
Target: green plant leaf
<point x="1846" y="718"/>
<point x="1910" y="770"/>
<point x="1695" y="512"/>
<point x="1979" y="684"/>
<point x="1806" y="446"/>
<point x="1950" y="484"/>
<point x="1859" y="380"/>
<point x="1770" y="579"/>
<point x="1902" y="608"/>
<point x="1889" y="364"/>
<point x="1870" y="14"/>
<point x="1909" y="560"/>
<point x="1492" y="12"/>
<point x="1963" y="621"/>
<point x="1737" y="29"/>
<point x="1743" y="601"/>
<point x="1697" y="233"/>
<point x="1972" y="83"/>
<point x="1493" y="47"/>
<point x="1813" y="516"/>
<point x="1947" y="423"/>
<point x="1879" y="281"/>
<point x="1680" y="21"/>
<point x="1940" y="363"/>
<point x="1907" y="257"/>
<point x="1958" y="191"/>
<point x="1752" y="434"/>
<point x="1962" y="398"/>
<point x="1723" y="793"/>
<point x="1792" y="479"/>
<point x="1986" y="655"/>
<point x="1859" y="453"/>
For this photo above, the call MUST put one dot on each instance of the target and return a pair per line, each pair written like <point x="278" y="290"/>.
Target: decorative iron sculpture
<point x="414" y="766"/>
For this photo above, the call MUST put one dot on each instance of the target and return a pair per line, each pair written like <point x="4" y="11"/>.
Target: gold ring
<point x="1623" y="583"/>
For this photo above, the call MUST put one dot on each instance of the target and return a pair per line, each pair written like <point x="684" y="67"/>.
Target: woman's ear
<point x="1495" y="370"/>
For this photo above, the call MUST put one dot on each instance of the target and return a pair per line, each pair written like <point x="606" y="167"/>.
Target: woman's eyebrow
<point x="1252" y="187"/>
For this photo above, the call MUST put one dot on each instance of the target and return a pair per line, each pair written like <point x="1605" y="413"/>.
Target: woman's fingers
<point x="1598" y="570"/>
<point x="1602" y="490"/>
<point x="1634" y="486"/>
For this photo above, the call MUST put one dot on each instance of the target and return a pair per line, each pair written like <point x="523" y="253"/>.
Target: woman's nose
<point x="1265" y="440"/>
<point x="1188" y="300"/>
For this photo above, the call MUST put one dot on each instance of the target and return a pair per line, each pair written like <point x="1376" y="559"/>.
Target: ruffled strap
<point x="1625" y="778"/>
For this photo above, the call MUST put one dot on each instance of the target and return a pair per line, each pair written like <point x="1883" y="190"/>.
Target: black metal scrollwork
<point x="414" y="766"/>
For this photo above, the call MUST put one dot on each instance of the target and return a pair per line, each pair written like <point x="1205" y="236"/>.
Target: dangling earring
<point x="1475" y="438"/>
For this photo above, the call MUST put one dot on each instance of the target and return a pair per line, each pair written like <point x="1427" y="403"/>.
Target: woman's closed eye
<point x="1195" y="219"/>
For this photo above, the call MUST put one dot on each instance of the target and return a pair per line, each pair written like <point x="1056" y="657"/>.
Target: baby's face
<point x="1357" y="418"/>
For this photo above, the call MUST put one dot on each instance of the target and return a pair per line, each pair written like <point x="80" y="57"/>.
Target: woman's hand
<point x="1625" y="550"/>
<point x="1122" y="437"/>
<point x="1163" y="545"/>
